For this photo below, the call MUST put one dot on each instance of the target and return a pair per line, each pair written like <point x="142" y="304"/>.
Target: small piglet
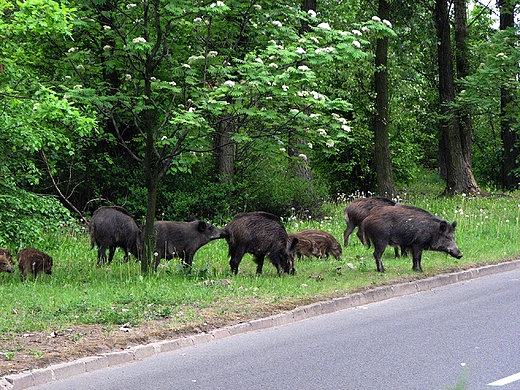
<point x="323" y="243"/>
<point x="5" y="261"/>
<point x="303" y="247"/>
<point x="33" y="261"/>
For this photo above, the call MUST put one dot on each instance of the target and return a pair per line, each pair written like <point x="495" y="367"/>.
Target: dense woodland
<point x="182" y="108"/>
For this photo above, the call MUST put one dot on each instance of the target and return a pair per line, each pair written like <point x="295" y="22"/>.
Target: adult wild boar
<point x="112" y="227"/>
<point x="260" y="234"/>
<point x="323" y="243"/>
<point x="33" y="261"/>
<point x="183" y="239"/>
<point x="411" y="228"/>
<point x="6" y="260"/>
<point x="358" y="210"/>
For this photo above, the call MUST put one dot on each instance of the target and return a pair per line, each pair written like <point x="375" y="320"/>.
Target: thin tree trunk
<point x="462" y="66"/>
<point x="225" y="149"/>
<point x="507" y="122"/>
<point x="382" y="157"/>
<point x="459" y="175"/>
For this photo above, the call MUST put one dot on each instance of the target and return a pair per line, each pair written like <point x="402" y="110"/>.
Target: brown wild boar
<point x="6" y="260"/>
<point x="303" y="247"/>
<point x="323" y="243"/>
<point x="33" y="261"/>
<point x="410" y="228"/>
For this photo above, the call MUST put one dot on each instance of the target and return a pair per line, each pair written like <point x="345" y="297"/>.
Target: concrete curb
<point x="66" y="370"/>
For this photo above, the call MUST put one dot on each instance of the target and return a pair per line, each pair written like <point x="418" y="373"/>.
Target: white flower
<point x="258" y="59"/>
<point x="172" y="83"/>
<point x="357" y="32"/>
<point x="163" y="138"/>
<point x="303" y="67"/>
<point x="346" y="128"/>
<point x="107" y="47"/>
<point x="128" y="77"/>
<point x="311" y="13"/>
<point x="330" y="143"/>
<point x="285" y="88"/>
<point x="79" y="67"/>
<point x="376" y="18"/>
<point x="257" y="7"/>
<point x="139" y="40"/>
<point x="303" y="157"/>
<point x="365" y="29"/>
<point x="197" y="20"/>
<point x="300" y="50"/>
<point x="187" y="66"/>
<point x="72" y="49"/>
<point x="283" y="150"/>
<point x="78" y="86"/>
<point x="217" y="4"/>
<point x="105" y="27"/>
<point x="387" y="22"/>
<point x="324" y="26"/>
<point x="322" y="132"/>
<point x="212" y="54"/>
<point x="128" y="6"/>
<point x="277" y="23"/>
<point x="229" y="83"/>
<point x="36" y="106"/>
<point x="191" y="109"/>
<point x="315" y="40"/>
<point x="309" y="145"/>
<point x="273" y="65"/>
<point x="357" y="44"/>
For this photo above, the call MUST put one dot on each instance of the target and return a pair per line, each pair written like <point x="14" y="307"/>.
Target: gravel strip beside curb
<point x="65" y="370"/>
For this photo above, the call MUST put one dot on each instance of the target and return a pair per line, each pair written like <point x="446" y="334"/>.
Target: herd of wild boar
<point x="380" y="222"/>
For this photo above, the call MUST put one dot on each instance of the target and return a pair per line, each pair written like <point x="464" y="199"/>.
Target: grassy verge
<point x="80" y="293"/>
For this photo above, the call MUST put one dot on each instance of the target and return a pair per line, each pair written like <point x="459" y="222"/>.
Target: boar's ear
<point x="454" y="224"/>
<point x="202" y="226"/>
<point x="443" y="226"/>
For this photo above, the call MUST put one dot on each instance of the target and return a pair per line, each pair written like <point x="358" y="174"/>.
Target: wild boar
<point x="183" y="239"/>
<point x="112" y="227"/>
<point x="33" y="261"/>
<point x="358" y="210"/>
<point x="260" y="234"/>
<point x="411" y="228"/>
<point x="323" y="243"/>
<point x="6" y="260"/>
<point x="303" y="247"/>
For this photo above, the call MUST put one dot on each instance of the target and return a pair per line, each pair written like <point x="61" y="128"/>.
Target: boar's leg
<point x="417" y="254"/>
<point x="236" y="258"/>
<point x="259" y="260"/>
<point x="111" y="250"/>
<point x="348" y="232"/>
<point x="378" y="253"/>
<point x="102" y="255"/>
<point x="187" y="259"/>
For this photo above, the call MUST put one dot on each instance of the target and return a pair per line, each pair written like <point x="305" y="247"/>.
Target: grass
<point x="78" y="292"/>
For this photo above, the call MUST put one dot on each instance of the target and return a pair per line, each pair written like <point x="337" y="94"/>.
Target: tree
<point x="459" y="175"/>
<point x="508" y="122"/>
<point x="382" y="157"/>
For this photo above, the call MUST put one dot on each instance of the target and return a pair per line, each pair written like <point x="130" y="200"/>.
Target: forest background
<point x="175" y="109"/>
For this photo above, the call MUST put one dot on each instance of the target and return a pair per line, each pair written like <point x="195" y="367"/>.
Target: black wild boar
<point x="323" y="243"/>
<point x="6" y="260"/>
<point x="183" y="239"/>
<point x="358" y="210"/>
<point x="112" y="227"/>
<point x="411" y="228"/>
<point x="33" y="261"/>
<point x="260" y="234"/>
<point x="303" y="247"/>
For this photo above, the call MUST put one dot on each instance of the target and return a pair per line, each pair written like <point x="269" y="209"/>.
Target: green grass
<point x="78" y="292"/>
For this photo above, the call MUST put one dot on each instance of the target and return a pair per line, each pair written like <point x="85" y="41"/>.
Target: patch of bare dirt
<point x="33" y="350"/>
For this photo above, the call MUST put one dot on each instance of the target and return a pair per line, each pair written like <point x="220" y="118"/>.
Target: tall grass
<point x="79" y="292"/>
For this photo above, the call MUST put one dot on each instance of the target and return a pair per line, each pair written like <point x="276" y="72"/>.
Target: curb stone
<point x="61" y="371"/>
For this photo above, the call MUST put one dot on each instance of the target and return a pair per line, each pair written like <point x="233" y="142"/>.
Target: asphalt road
<point x="467" y="332"/>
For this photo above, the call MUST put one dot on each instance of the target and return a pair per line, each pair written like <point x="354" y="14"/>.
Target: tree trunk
<point x="459" y="175"/>
<point x="507" y="121"/>
<point x="225" y="149"/>
<point x="382" y="157"/>
<point x="462" y="66"/>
